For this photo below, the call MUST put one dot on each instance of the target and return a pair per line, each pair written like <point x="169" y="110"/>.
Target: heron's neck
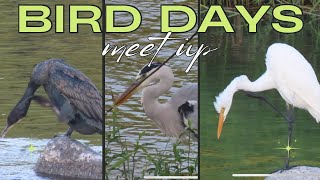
<point x="151" y="94"/>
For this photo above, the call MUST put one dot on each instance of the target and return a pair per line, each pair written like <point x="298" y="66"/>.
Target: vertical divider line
<point x="103" y="65"/>
<point x="199" y="112"/>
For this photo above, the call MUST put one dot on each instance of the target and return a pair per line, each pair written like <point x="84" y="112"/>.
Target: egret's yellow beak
<point x="135" y="87"/>
<point x="221" y="121"/>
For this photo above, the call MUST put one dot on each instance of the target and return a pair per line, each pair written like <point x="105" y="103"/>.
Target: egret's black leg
<point x="262" y="98"/>
<point x="290" y="119"/>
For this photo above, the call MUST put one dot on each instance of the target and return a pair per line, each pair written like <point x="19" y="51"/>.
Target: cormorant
<point x="73" y="97"/>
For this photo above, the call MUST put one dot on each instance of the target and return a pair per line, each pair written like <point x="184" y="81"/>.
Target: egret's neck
<point x="151" y="93"/>
<point x="263" y="83"/>
<point x="242" y="82"/>
<point x="232" y="88"/>
<point x="224" y="99"/>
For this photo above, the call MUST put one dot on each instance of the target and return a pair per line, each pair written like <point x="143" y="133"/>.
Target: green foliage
<point x="165" y="162"/>
<point x="308" y="7"/>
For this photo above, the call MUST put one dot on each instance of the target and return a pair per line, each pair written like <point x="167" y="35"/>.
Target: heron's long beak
<point x="221" y="121"/>
<point x="135" y="87"/>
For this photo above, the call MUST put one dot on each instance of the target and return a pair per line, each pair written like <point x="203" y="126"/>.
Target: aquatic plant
<point x="165" y="162"/>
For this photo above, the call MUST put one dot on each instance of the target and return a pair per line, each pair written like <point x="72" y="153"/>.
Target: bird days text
<point x="41" y="21"/>
<point x="37" y="18"/>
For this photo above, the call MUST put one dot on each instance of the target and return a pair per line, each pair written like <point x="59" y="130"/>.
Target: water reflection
<point x="253" y="130"/>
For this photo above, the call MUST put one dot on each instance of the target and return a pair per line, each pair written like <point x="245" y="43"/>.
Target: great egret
<point x="73" y="96"/>
<point x="288" y="72"/>
<point x="171" y="117"/>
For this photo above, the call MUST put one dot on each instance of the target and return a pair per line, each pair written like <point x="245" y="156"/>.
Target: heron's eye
<point x="142" y="76"/>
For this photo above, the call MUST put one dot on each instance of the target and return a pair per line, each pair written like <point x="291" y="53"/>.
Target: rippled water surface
<point x="19" y="53"/>
<point x="120" y="75"/>
<point x="252" y="131"/>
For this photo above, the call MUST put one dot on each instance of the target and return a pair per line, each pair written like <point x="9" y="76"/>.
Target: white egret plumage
<point x="288" y="72"/>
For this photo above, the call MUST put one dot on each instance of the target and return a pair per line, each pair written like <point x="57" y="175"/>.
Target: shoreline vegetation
<point x="217" y="37"/>
<point x="178" y="160"/>
<point x="310" y="7"/>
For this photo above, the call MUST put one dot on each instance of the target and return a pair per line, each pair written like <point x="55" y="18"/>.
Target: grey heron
<point x="73" y="97"/>
<point x="174" y="116"/>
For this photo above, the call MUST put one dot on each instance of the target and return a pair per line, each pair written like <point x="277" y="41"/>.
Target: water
<point x="252" y="131"/>
<point x="132" y="119"/>
<point x="19" y="53"/>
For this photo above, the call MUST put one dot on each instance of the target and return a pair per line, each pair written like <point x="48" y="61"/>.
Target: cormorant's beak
<point x="221" y="121"/>
<point x="135" y="87"/>
<point x="4" y="132"/>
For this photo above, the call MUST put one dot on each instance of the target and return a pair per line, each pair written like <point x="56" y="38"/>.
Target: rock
<point x="297" y="173"/>
<point x="67" y="157"/>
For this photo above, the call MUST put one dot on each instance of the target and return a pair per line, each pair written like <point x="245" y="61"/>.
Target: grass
<point x="123" y="163"/>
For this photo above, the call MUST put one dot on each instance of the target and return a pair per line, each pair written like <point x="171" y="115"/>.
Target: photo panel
<point x="51" y="80"/>
<point x="151" y="94"/>
<point x="258" y="90"/>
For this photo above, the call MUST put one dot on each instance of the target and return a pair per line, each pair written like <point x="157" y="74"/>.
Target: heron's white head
<point x="223" y="101"/>
<point x="145" y="77"/>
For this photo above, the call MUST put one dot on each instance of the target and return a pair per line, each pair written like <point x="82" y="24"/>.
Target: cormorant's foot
<point x="61" y="135"/>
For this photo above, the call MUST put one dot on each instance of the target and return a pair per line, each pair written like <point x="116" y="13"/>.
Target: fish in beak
<point x="221" y="121"/>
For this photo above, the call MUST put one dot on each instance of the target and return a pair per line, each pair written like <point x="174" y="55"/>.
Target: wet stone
<point x="67" y="157"/>
<point x="297" y="173"/>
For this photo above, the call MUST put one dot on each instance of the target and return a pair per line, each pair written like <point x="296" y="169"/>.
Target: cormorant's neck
<point x="24" y="103"/>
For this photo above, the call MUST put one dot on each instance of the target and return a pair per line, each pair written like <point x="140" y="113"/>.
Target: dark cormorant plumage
<point x="73" y="97"/>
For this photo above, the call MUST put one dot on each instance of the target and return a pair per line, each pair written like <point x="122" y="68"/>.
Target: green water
<point x="252" y="131"/>
<point x="18" y="55"/>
